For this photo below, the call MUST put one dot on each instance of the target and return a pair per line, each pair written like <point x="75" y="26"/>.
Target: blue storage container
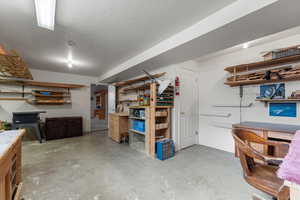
<point x="165" y="149"/>
<point x="138" y="125"/>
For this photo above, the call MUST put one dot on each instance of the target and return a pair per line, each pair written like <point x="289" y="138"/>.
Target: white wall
<point x="80" y="106"/>
<point x="213" y="131"/>
<point x="213" y="91"/>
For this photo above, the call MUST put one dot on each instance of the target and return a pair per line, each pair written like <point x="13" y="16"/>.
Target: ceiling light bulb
<point x="70" y="64"/>
<point x="45" y="13"/>
<point x="246" y="45"/>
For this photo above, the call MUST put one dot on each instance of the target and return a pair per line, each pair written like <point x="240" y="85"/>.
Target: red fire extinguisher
<point x="177" y="84"/>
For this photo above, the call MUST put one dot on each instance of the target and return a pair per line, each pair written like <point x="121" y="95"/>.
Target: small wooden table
<point x="270" y="131"/>
<point x="10" y="164"/>
<point x="118" y="126"/>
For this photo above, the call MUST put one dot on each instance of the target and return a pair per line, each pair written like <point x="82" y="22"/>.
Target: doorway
<point x="99" y="108"/>
<point x="188" y="108"/>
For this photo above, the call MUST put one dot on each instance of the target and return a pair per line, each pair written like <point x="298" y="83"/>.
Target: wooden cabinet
<point x="10" y="165"/>
<point x="118" y="126"/>
<point x="272" y="132"/>
<point x="64" y="127"/>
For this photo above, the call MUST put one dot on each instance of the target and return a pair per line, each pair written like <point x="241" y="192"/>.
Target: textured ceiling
<point x="106" y="33"/>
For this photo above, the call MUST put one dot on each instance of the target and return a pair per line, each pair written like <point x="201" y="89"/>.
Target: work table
<point x="7" y="139"/>
<point x="270" y="131"/>
<point x="10" y="164"/>
<point x="261" y="126"/>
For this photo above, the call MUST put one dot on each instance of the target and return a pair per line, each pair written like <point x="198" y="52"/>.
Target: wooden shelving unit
<point x="278" y="100"/>
<point x="156" y="120"/>
<point x="280" y="74"/>
<point x="129" y="93"/>
<point x="58" y="95"/>
<point x="262" y="64"/>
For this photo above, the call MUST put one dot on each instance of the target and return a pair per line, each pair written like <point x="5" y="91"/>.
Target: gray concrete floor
<point x="95" y="168"/>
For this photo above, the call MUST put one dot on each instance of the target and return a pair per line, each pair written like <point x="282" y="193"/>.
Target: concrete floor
<point x="95" y="168"/>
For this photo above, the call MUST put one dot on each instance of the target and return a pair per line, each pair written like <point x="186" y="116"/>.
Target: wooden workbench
<point x="10" y="164"/>
<point x="117" y="126"/>
<point x="270" y="131"/>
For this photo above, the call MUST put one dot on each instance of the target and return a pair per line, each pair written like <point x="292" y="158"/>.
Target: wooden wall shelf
<point x="12" y="99"/>
<point x="262" y="64"/>
<point x="41" y="84"/>
<point x="256" y="82"/>
<point x="278" y="100"/>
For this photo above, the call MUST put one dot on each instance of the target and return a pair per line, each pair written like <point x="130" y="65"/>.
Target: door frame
<point x="177" y="109"/>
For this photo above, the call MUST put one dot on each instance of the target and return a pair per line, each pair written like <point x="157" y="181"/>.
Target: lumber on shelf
<point x="144" y="78"/>
<point x="256" y="82"/>
<point x="12" y="99"/>
<point x="41" y="84"/>
<point x="262" y="64"/>
<point x="12" y="65"/>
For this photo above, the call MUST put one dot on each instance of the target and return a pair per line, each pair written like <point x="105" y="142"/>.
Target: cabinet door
<point x="55" y="129"/>
<point x="74" y="127"/>
<point x="115" y="132"/>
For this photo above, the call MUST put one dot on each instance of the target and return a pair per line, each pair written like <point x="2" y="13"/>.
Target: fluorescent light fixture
<point x="70" y="60"/>
<point x="246" y="45"/>
<point x="45" y="13"/>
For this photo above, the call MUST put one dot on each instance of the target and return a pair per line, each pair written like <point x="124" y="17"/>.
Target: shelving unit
<point x="129" y="93"/>
<point x="278" y="100"/>
<point x="251" y="77"/>
<point x="58" y="95"/>
<point x="156" y="121"/>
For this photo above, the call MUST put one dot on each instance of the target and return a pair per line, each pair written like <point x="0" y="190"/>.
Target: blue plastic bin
<point x="165" y="149"/>
<point x="138" y="125"/>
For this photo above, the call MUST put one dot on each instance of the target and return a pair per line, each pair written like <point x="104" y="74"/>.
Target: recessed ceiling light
<point x="45" y="13"/>
<point x="246" y="45"/>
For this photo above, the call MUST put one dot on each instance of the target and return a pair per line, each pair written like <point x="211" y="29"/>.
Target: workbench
<point x="118" y="126"/>
<point x="10" y="164"/>
<point x="270" y="131"/>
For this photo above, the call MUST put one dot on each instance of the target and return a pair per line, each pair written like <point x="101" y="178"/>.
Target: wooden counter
<point x="270" y="131"/>
<point x="118" y="126"/>
<point x="10" y="164"/>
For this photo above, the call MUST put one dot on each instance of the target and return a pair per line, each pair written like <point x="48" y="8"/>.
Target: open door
<point x="99" y="107"/>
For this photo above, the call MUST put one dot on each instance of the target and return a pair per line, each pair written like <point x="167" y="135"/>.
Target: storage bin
<point x="138" y="125"/>
<point x="165" y="149"/>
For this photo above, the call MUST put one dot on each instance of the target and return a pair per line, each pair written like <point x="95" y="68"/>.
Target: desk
<point x="270" y="131"/>
<point x="118" y="126"/>
<point x="10" y="164"/>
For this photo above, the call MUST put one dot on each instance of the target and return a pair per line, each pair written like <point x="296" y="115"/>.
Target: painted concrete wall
<point x="80" y="98"/>
<point x="214" y="131"/>
<point x="213" y="91"/>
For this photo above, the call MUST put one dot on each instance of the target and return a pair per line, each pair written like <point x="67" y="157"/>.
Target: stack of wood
<point x="287" y="72"/>
<point x="12" y="65"/>
<point x="281" y="53"/>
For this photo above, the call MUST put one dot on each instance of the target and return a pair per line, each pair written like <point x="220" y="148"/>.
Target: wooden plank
<point x="144" y="78"/>
<point x="262" y="64"/>
<point x="54" y="85"/>
<point x="256" y="82"/>
<point x="18" y="193"/>
<point x="12" y="99"/>
<point x="41" y="84"/>
<point x="278" y="100"/>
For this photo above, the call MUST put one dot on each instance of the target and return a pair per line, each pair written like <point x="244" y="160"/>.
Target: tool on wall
<point x="241" y="101"/>
<point x="177" y="86"/>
